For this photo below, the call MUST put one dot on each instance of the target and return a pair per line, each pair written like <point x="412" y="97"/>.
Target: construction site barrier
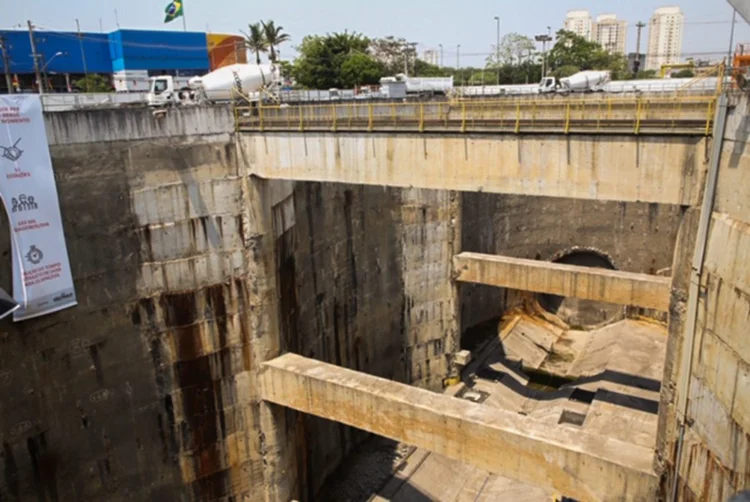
<point x="691" y="115"/>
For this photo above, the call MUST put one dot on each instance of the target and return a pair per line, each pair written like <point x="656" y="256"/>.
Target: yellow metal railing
<point x="630" y="115"/>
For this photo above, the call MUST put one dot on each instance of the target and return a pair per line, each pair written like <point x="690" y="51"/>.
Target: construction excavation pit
<point x="418" y="301"/>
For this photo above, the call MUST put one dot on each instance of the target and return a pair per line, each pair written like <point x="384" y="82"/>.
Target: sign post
<point x="42" y="279"/>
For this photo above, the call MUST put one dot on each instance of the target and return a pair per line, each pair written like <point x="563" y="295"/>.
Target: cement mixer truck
<point x="224" y="84"/>
<point x="583" y="81"/>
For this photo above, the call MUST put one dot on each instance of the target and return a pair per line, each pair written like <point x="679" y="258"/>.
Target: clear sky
<point x="429" y="22"/>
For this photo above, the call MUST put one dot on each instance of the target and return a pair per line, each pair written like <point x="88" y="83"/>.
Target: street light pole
<point x="441" y="55"/>
<point x="497" y="49"/>
<point x="544" y="39"/>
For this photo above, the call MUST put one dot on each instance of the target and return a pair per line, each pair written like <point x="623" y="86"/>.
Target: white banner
<point x="42" y="281"/>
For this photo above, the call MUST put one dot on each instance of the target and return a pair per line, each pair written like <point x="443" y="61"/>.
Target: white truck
<point x="583" y="81"/>
<point x="223" y="84"/>
<point x="427" y="86"/>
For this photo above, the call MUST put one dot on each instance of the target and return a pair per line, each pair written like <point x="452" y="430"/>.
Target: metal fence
<point x="636" y="115"/>
<point x="74" y="101"/>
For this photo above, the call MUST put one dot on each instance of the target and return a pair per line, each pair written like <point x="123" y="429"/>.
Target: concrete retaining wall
<point x="144" y="390"/>
<point x="716" y="453"/>
<point x="638" y="237"/>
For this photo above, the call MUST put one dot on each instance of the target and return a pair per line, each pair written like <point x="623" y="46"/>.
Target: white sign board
<point x="42" y="280"/>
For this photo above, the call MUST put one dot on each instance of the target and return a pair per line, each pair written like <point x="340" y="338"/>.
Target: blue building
<point x="66" y="56"/>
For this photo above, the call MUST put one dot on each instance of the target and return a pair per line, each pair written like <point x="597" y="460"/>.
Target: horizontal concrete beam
<point x="623" y="168"/>
<point x="613" y="286"/>
<point x="577" y="464"/>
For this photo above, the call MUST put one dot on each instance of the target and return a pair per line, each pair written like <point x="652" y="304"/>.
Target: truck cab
<point x="548" y="84"/>
<point x="161" y="91"/>
<point x="166" y="89"/>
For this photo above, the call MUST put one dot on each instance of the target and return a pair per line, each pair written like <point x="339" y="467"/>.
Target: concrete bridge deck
<point x="675" y="115"/>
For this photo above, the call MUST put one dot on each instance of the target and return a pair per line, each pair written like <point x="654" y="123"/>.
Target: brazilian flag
<point x="173" y="11"/>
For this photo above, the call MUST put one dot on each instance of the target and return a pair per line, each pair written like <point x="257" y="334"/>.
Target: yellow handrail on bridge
<point x="547" y="114"/>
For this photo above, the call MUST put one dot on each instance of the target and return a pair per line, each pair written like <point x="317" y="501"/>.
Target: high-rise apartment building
<point x="579" y="22"/>
<point x="664" y="37"/>
<point x="431" y="56"/>
<point x="610" y="33"/>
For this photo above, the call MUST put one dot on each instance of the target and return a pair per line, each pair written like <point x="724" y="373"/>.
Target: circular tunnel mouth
<point x="575" y="312"/>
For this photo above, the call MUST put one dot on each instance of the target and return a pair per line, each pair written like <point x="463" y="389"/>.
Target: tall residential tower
<point x="579" y="22"/>
<point x="664" y="37"/>
<point x="610" y="33"/>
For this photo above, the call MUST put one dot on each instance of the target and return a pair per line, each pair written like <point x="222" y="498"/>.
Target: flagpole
<point x="184" y="23"/>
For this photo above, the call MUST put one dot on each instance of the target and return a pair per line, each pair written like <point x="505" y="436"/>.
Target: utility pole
<point x="497" y="49"/>
<point x="6" y="63"/>
<point x="458" y="56"/>
<point x="83" y="56"/>
<point x="441" y="55"/>
<point x="36" y="57"/>
<point x="637" y="64"/>
<point x="544" y="39"/>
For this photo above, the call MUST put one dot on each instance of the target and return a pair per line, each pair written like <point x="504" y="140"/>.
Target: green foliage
<point x="274" y="36"/>
<point x="425" y="69"/>
<point x="391" y="52"/>
<point x="647" y="74"/>
<point x="321" y="58"/>
<point x="684" y="73"/>
<point x="514" y="49"/>
<point x="93" y="83"/>
<point x="360" y="69"/>
<point x="573" y="51"/>
<point x="565" y="71"/>
<point x="256" y="40"/>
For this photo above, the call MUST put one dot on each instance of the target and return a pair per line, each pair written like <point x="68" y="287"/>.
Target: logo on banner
<point x="23" y="203"/>
<point x="35" y="255"/>
<point x="12" y="153"/>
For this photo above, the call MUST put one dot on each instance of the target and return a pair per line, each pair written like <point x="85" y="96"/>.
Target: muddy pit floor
<point x="605" y="381"/>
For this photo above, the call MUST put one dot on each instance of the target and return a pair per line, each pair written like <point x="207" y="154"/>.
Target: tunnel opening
<point x="575" y="312"/>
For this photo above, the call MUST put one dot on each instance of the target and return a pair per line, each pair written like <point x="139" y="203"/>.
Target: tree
<point x="256" y="40"/>
<point x="514" y="48"/>
<point x="93" y="83"/>
<point x="646" y="74"/>
<point x="274" y="36"/>
<point x="391" y="53"/>
<point x="572" y="50"/>
<point x="360" y="69"/>
<point x="321" y="58"/>
<point x="565" y="71"/>
<point x="685" y="73"/>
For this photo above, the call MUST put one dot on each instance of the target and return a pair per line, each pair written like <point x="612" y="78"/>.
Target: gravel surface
<point x="364" y="472"/>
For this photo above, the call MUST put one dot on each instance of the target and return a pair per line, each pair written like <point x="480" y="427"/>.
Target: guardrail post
<point x="393" y="114"/>
<point x="710" y="115"/>
<point x="518" y="116"/>
<point x="369" y="117"/>
<point x="638" y="117"/>
<point x="567" y="117"/>
<point x="463" y="116"/>
<point x="301" y="118"/>
<point x="421" y="117"/>
<point x="333" y="109"/>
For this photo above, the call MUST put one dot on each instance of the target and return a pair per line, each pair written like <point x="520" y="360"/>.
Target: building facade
<point x="431" y="56"/>
<point x="610" y="33"/>
<point x="579" y="22"/>
<point x="665" y="30"/>
<point x="64" y="57"/>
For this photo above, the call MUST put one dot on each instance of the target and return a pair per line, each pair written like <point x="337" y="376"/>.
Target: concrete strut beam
<point x="580" y="465"/>
<point x="613" y="286"/>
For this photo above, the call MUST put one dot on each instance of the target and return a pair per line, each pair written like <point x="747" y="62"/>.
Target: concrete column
<point x="276" y="444"/>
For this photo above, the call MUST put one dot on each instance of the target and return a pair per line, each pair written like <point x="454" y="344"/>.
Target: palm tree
<point x="274" y="36"/>
<point x="256" y="40"/>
